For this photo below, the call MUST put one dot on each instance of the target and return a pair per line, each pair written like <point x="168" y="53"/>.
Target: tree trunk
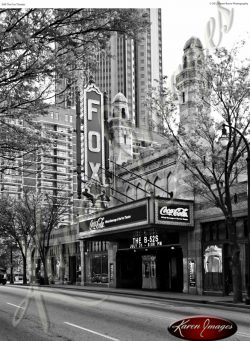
<point x="45" y="271"/>
<point x="236" y="264"/>
<point x="24" y="269"/>
<point x="11" y="265"/>
<point x="236" y="273"/>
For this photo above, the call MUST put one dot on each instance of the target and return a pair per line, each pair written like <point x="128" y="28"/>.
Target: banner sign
<point x="94" y="134"/>
<point x="123" y="217"/>
<point x="192" y="273"/>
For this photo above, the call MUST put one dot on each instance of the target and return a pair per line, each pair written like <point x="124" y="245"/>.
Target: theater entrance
<point x="151" y="268"/>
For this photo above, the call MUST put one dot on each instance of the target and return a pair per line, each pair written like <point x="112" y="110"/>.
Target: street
<point x="73" y="315"/>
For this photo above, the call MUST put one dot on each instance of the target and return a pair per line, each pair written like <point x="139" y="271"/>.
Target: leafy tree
<point x="39" y="45"/>
<point x="16" y="225"/>
<point x="220" y="94"/>
<point x="10" y="257"/>
<point x="46" y="213"/>
<point x="29" y="222"/>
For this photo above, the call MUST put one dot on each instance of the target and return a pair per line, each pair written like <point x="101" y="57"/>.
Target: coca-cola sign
<point x="203" y="328"/>
<point x="123" y="217"/>
<point x="97" y="224"/>
<point x="174" y="212"/>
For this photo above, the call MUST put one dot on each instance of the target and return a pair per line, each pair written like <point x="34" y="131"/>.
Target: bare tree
<point x="220" y="95"/>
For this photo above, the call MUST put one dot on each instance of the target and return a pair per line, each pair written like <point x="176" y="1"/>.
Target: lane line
<point x="91" y="331"/>
<point x="14" y="305"/>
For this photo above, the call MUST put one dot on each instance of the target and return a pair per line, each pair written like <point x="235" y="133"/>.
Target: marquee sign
<point x="128" y="216"/>
<point x="94" y="133"/>
<point x="174" y="212"/>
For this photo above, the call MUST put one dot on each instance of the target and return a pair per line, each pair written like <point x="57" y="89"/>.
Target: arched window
<point x="185" y="62"/>
<point x="148" y="188"/>
<point x="183" y="97"/>
<point x="129" y="194"/>
<point x="139" y="192"/>
<point x="157" y="183"/>
<point x="170" y="182"/>
<point x="123" y="113"/>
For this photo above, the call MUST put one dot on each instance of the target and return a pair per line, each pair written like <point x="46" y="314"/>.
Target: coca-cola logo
<point x="97" y="224"/>
<point x="203" y="328"/>
<point x="174" y="212"/>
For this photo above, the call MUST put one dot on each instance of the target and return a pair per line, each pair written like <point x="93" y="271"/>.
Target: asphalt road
<point x="68" y="315"/>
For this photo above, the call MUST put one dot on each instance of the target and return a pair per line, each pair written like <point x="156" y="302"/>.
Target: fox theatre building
<point x="142" y="244"/>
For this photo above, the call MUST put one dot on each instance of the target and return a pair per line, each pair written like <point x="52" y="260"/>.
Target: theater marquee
<point x="127" y="216"/>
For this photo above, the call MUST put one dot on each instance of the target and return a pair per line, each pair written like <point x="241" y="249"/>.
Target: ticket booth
<point x="149" y="272"/>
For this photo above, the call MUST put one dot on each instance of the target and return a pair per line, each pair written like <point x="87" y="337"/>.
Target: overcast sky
<point x="183" y="19"/>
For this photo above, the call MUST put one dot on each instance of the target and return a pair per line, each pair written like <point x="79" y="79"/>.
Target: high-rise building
<point x="131" y="67"/>
<point x="51" y="170"/>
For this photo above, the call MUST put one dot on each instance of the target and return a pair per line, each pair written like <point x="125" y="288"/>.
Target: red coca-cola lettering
<point x="203" y="328"/>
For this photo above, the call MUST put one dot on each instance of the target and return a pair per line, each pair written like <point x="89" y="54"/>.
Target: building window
<point x="99" y="268"/>
<point x="185" y="62"/>
<point x="183" y="97"/>
<point x="125" y="139"/>
<point x="139" y="192"/>
<point x="56" y="115"/>
<point x="70" y="118"/>
<point x="52" y="114"/>
<point x="66" y="118"/>
<point x="123" y="113"/>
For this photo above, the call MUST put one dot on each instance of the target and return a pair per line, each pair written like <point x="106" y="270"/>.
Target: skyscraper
<point x="130" y="67"/>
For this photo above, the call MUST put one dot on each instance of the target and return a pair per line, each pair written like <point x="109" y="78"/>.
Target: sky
<point x="183" y="19"/>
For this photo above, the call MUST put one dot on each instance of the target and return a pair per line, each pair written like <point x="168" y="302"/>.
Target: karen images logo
<point x="203" y="328"/>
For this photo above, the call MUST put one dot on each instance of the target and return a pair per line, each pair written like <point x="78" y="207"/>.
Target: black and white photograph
<point x="124" y="171"/>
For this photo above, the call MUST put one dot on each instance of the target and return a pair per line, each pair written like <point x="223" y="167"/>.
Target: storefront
<point x="141" y="245"/>
<point x="217" y="260"/>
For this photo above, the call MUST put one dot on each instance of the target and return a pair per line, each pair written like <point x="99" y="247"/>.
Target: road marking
<point x="14" y="305"/>
<point x="91" y="331"/>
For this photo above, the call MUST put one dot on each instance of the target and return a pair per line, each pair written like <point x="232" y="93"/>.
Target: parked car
<point x="18" y="278"/>
<point x="104" y="278"/>
<point x="96" y="278"/>
<point x="2" y="277"/>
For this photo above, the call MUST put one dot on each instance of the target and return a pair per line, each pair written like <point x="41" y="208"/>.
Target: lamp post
<point x="224" y="133"/>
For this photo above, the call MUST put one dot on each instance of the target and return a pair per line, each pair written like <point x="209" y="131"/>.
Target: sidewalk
<point x="226" y="301"/>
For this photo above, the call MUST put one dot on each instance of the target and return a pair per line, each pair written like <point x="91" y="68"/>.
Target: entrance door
<point x="213" y="266"/>
<point x="149" y="272"/>
<point x="129" y="269"/>
<point x="72" y="269"/>
<point x="170" y="269"/>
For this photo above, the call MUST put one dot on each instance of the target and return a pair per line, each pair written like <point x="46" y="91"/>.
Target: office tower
<point x="131" y="67"/>
<point x="127" y="66"/>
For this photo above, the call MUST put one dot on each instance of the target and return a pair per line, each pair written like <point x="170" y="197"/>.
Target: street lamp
<point x="224" y="134"/>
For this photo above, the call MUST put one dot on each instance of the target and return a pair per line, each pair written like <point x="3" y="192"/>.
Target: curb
<point x="147" y="294"/>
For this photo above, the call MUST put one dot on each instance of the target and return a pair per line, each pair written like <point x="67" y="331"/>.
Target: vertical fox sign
<point x="94" y="159"/>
